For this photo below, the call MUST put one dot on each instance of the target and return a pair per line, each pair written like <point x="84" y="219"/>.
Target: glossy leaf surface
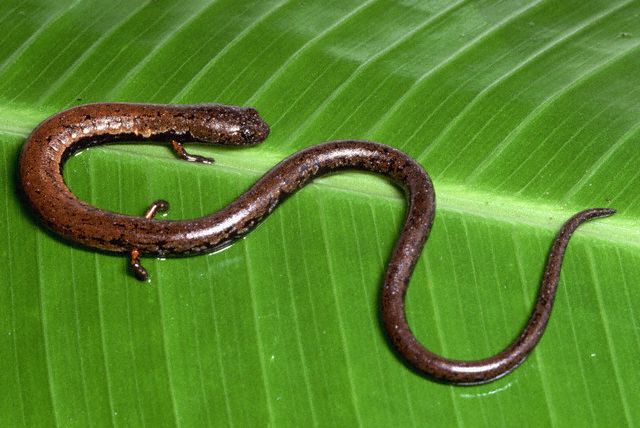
<point x="523" y="112"/>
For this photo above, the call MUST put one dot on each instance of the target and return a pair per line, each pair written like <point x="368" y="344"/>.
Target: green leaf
<point x="523" y="112"/>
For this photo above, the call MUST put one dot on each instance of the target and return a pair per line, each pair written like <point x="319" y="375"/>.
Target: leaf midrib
<point x="472" y="201"/>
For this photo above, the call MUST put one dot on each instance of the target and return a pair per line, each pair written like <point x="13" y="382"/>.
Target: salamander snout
<point x="253" y="128"/>
<point x="227" y="125"/>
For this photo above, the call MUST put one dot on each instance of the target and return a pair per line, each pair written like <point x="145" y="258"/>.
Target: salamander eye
<point x="248" y="135"/>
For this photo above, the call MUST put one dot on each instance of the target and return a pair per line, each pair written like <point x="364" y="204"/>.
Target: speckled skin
<point x="59" y="136"/>
<point x="477" y="371"/>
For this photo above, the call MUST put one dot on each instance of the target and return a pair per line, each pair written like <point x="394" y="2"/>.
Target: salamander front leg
<point x="179" y="150"/>
<point x="140" y="272"/>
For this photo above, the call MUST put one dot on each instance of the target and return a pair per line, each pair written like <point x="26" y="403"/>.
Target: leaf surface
<point x="523" y="112"/>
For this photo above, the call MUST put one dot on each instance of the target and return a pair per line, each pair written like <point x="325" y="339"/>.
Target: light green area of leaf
<point x="523" y="112"/>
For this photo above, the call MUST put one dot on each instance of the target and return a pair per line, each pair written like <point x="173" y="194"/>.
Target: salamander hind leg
<point x="159" y="206"/>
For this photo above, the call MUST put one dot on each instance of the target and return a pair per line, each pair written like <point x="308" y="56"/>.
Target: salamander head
<point x="229" y="125"/>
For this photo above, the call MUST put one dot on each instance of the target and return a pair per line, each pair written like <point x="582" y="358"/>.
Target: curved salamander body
<point x="58" y="137"/>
